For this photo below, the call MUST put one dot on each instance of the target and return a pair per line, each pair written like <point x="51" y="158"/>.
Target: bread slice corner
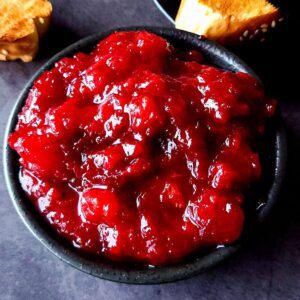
<point x="22" y="24"/>
<point x="227" y="21"/>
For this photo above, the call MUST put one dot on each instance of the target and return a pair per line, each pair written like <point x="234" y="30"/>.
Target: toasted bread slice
<point x="227" y="21"/>
<point x="22" y="23"/>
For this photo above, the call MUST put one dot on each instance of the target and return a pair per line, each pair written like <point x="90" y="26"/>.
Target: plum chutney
<point x="140" y="152"/>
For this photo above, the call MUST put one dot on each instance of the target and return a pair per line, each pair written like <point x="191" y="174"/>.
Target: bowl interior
<point x="113" y="271"/>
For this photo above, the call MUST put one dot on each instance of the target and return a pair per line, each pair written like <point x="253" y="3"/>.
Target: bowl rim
<point x="109" y="271"/>
<point x="164" y="11"/>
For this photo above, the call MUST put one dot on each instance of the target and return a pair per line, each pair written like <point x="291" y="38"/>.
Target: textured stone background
<point x="268" y="269"/>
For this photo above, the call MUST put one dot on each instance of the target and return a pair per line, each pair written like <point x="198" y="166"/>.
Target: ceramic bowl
<point x="218" y="56"/>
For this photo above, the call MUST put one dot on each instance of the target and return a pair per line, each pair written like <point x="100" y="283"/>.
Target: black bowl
<point x="110" y="270"/>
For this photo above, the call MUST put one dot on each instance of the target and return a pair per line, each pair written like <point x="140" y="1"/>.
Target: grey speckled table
<point x="268" y="269"/>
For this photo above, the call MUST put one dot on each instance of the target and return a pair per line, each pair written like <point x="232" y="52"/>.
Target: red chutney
<point x="140" y="152"/>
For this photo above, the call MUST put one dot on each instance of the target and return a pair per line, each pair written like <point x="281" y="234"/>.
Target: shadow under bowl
<point x="96" y="266"/>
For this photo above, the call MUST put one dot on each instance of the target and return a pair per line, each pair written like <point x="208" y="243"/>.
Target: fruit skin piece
<point x="217" y="216"/>
<point x="227" y="21"/>
<point x="98" y="206"/>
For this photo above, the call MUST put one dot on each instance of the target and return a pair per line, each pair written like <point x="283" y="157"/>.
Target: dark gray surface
<point x="268" y="269"/>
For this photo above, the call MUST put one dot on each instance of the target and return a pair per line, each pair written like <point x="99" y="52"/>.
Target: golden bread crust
<point x="16" y="16"/>
<point x="22" y="23"/>
<point x="25" y="48"/>
<point x="223" y="20"/>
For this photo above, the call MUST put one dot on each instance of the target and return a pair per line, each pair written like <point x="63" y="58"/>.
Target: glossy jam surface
<point x="141" y="152"/>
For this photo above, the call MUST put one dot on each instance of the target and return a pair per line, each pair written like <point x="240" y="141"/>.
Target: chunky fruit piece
<point x="97" y="206"/>
<point x="139" y="151"/>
